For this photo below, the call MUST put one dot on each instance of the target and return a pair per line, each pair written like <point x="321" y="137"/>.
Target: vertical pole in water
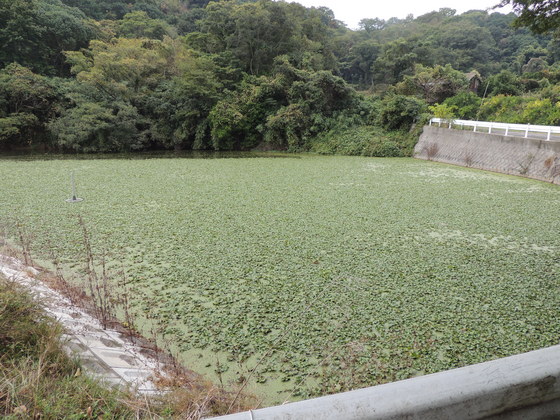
<point x="73" y="187"/>
<point x="74" y="198"/>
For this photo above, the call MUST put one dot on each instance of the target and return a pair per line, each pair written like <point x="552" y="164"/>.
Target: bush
<point x="400" y="112"/>
<point x="363" y="140"/>
<point x="504" y="83"/>
<point x="350" y="142"/>
<point x="383" y="148"/>
<point x="541" y="111"/>
<point x="503" y="108"/>
<point x="465" y="105"/>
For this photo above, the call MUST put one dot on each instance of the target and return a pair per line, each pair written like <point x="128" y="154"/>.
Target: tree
<point x="285" y="110"/>
<point x="400" y="112"/>
<point x="108" y="107"/>
<point x="124" y="68"/>
<point x="238" y="120"/>
<point x="467" y="45"/>
<point x="465" y="105"/>
<point x="140" y="25"/>
<point x="180" y="107"/>
<point x="434" y="84"/>
<point x="98" y="127"/>
<point x="255" y="33"/>
<point x="504" y="83"/>
<point x="37" y="32"/>
<point x="371" y="25"/>
<point x="158" y="91"/>
<point x="357" y="66"/>
<point x="396" y="60"/>
<point x="539" y="16"/>
<point x="27" y="103"/>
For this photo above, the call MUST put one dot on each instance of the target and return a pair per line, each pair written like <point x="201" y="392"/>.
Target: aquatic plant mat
<point x="304" y="275"/>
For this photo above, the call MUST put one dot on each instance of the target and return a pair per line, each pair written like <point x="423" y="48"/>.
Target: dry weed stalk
<point x="99" y="289"/>
<point x="188" y="394"/>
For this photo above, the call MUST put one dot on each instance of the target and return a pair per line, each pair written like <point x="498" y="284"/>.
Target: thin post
<point x="507" y="129"/>
<point x="548" y="137"/>
<point x="74" y="198"/>
<point x="474" y="127"/>
<point x="490" y="129"/>
<point x="73" y="187"/>
<point x="527" y="131"/>
<point x="482" y="100"/>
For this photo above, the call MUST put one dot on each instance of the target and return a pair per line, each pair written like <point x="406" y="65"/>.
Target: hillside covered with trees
<point x="107" y="76"/>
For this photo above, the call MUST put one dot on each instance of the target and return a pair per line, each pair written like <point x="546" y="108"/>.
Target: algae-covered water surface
<point x="307" y="275"/>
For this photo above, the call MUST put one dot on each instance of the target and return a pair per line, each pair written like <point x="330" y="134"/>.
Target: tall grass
<point x="39" y="380"/>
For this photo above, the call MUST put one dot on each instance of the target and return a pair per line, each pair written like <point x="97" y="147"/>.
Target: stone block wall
<point x="532" y="158"/>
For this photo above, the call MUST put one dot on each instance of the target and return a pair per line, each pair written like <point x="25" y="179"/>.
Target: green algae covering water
<point x="308" y="275"/>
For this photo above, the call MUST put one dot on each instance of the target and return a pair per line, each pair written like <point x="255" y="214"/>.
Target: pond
<point x="304" y="275"/>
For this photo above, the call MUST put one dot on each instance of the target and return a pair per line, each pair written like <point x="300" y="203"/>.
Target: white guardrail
<point x="521" y="387"/>
<point x="508" y="128"/>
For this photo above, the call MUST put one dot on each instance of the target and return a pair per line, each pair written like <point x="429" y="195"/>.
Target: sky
<point x="352" y="11"/>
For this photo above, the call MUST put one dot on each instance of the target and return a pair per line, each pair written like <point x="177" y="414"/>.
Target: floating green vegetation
<point x="319" y="274"/>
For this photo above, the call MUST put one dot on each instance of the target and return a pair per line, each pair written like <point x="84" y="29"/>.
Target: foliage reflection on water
<point x="183" y="154"/>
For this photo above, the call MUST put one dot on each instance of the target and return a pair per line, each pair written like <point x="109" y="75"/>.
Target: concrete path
<point x="104" y="354"/>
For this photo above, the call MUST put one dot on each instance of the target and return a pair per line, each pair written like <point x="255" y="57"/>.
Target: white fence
<point x="500" y="128"/>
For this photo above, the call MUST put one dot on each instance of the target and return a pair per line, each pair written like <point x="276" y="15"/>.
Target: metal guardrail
<point x="525" y="386"/>
<point x="508" y="128"/>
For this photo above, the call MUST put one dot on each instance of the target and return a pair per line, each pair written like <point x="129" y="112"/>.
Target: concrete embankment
<point x="105" y="354"/>
<point x="532" y="158"/>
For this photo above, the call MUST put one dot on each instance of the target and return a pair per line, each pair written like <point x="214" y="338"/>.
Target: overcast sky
<point x="352" y="11"/>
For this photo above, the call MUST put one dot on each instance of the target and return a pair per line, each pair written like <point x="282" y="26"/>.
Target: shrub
<point x="503" y="109"/>
<point x="541" y="111"/>
<point x="465" y="105"/>
<point x="383" y="148"/>
<point x="400" y="112"/>
<point x="363" y="140"/>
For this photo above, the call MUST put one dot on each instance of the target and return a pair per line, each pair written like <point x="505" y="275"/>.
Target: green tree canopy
<point x="27" y="102"/>
<point x="36" y="32"/>
<point x="433" y="84"/>
<point x="140" y="25"/>
<point x="538" y="15"/>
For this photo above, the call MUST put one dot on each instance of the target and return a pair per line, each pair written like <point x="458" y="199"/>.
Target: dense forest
<point x="124" y="75"/>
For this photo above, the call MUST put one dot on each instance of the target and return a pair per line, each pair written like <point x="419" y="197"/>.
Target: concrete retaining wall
<point x="532" y="158"/>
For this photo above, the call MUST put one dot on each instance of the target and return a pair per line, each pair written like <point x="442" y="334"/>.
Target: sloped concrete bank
<point x="531" y="158"/>
<point x="104" y="353"/>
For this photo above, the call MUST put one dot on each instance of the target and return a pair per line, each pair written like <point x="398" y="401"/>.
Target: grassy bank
<point x="39" y="380"/>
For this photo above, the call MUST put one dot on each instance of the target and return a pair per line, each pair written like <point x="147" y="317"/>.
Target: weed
<point x="432" y="150"/>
